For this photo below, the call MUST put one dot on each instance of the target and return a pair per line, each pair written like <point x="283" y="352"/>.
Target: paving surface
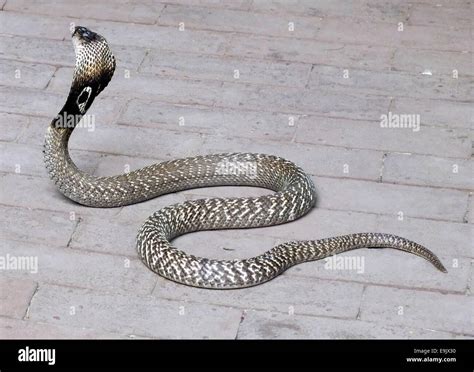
<point x="307" y="80"/>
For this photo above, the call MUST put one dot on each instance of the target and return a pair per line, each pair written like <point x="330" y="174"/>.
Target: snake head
<point x="82" y="35"/>
<point x="95" y="65"/>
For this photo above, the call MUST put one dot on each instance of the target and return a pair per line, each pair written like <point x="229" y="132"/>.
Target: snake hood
<point x="91" y="75"/>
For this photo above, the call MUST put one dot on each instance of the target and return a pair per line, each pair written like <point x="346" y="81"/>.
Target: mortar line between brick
<point x="311" y="115"/>
<point x="248" y="34"/>
<point x="284" y="312"/>
<point x="239" y="307"/>
<point x="313" y="39"/>
<point x="44" y="323"/>
<point x="469" y="290"/>
<point x="308" y="78"/>
<point x="264" y="108"/>
<point x="249" y="7"/>
<point x="390" y="103"/>
<point x="384" y="285"/>
<point x="302" y="87"/>
<point x="259" y="109"/>
<point x="78" y="221"/>
<point x="27" y="312"/>
<point x="360" y="302"/>
<point x="234" y="57"/>
<point x="290" y="11"/>
<point x="242" y="318"/>
<point x="51" y="78"/>
<point x="75" y="19"/>
<point x="392" y="59"/>
<point x="203" y="106"/>
<point x="177" y="301"/>
<point x="292" y="139"/>
<point x="408" y="15"/>
<point x="382" y="167"/>
<point x="375" y="323"/>
<point x="78" y="250"/>
<point x="119" y="113"/>
<point x="139" y="67"/>
<point x="58" y="211"/>
<point x="468" y="209"/>
<point x="160" y="13"/>
<point x="210" y="30"/>
<point x="154" y="287"/>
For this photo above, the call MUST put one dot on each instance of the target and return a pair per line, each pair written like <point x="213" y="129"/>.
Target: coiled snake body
<point x="294" y="194"/>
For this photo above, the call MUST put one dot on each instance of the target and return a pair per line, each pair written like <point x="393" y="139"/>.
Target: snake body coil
<point x="294" y="194"/>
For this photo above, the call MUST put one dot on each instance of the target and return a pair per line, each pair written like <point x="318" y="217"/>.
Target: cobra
<point x="293" y="194"/>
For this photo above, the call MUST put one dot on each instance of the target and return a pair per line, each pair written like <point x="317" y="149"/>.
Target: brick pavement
<point x="314" y="94"/>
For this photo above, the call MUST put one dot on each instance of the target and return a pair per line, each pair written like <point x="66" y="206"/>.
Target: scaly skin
<point x="294" y="195"/>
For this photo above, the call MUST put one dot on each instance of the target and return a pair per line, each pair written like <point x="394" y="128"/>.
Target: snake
<point x="292" y="194"/>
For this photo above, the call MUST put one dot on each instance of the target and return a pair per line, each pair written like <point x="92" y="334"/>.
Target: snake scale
<point x="294" y="194"/>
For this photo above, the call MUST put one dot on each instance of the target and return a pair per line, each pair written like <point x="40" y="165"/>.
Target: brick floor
<point x="314" y="94"/>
